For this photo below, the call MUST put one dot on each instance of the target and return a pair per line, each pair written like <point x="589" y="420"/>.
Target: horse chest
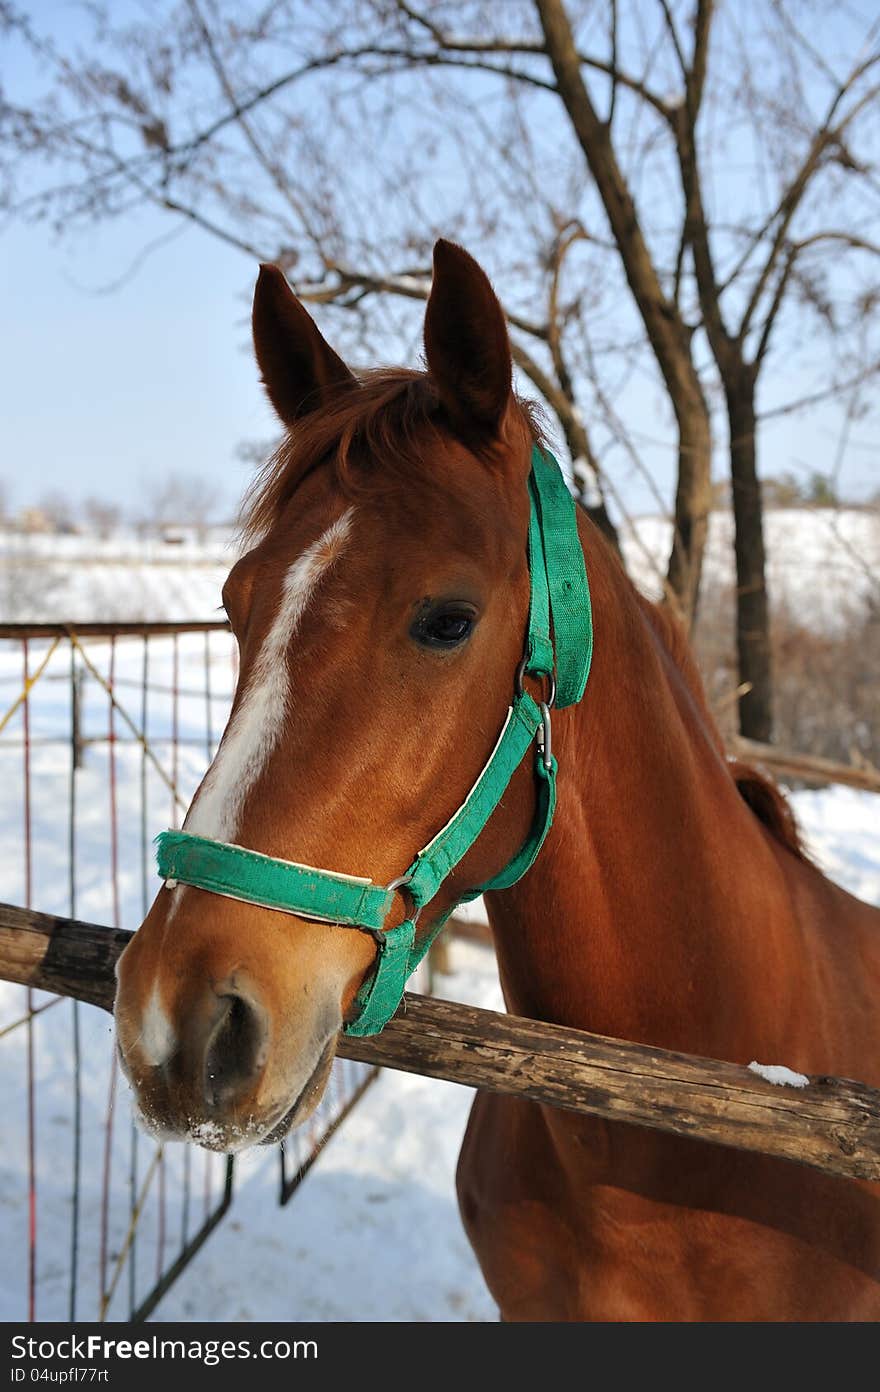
<point x="576" y="1219"/>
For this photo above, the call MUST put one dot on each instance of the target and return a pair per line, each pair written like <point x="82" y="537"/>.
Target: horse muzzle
<point x="217" y="1068"/>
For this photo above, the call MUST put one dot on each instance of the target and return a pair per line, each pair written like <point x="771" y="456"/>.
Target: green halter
<point x="559" y="593"/>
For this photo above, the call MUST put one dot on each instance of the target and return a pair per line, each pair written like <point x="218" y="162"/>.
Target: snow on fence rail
<point x="105" y="731"/>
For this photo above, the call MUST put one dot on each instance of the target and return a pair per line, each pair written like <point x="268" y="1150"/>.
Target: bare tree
<point x="769" y="251"/>
<point x="102" y="516"/>
<point x="58" y="511"/>
<point x="239" y="176"/>
<point x="177" y="500"/>
<point x="29" y="581"/>
<point x="652" y="185"/>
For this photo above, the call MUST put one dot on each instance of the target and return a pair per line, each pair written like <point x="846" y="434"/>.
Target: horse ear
<point x="299" y="368"/>
<point x="466" y="344"/>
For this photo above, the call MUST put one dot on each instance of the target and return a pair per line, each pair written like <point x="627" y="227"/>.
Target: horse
<point x="380" y="611"/>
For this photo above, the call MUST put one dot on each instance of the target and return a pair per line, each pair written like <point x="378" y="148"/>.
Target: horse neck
<point x="637" y="919"/>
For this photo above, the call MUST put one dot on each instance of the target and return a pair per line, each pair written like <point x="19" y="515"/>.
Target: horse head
<point x="380" y="615"/>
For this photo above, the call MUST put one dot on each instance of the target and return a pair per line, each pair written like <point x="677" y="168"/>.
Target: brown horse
<point x="380" y="616"/>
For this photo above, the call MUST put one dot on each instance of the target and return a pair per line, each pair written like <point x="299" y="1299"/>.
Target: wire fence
<point x="105" y="732"/>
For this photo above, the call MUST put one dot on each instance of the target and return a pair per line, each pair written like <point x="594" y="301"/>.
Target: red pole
<point x="31" y="1097"/>
<point x="114" y="885"/>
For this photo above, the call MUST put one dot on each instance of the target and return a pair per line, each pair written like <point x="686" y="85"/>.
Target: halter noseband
<point x="559" y="592"/>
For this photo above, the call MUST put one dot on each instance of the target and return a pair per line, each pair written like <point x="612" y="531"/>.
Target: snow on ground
<point x="841" y="828"/>
<point x="125" y="577"/>
<point x="46" y="578"/>
<point x="822" y="563"/>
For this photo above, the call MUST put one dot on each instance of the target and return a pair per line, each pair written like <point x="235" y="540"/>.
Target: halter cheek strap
<point x="558" y="650"/>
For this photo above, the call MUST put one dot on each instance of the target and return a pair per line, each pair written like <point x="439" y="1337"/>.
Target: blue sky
<point x="102" y="391"/>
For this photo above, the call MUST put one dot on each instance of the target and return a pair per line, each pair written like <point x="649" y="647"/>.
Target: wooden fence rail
<point x="788" y="763"/>
<point x="832" y="1124"/>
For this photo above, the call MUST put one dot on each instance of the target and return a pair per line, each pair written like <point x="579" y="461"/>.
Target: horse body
<point x="380" y="616"/>
<point x="664" y="911"/>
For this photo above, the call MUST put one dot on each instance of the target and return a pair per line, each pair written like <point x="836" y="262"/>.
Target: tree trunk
<point x="669" y="336"/>
<point x="752" y="617"/>
<point x="693" y="496"/>
<point x="559" y="396"/>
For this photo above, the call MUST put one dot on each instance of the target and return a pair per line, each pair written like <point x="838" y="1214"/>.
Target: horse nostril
<point x="236" y="1052"/>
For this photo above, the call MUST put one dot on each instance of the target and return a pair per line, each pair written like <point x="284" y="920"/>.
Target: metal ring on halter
<point x="401" y="886"/>
<point x="551" y="677"/>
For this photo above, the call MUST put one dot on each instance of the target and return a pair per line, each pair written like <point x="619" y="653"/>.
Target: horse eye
<point x="444" y="627"/>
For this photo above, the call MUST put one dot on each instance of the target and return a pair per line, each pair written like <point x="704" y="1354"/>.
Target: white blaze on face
<point x="157" y="1040"/>
<point x="253" y="731"/>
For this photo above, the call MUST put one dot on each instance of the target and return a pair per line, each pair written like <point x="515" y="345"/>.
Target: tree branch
<point x="794" y="250"/>
<point x="850" y="239"/>
<point x="695" y="229"/>
<point x="411" y="285"/>
<point x="803" y="403"/>
<point x="673" y="34"/>
<point x="775" y="305"/>
<point x="560" y="403"/>
<point x="614" y="79"/>
<point x="566" y="239"/>
<point x="661" y="320"/>
<point x="524" y="47"/>
<point x="791" y="199"/>
<point x="278" y="179"/>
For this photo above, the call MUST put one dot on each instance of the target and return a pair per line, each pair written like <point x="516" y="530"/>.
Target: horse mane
<point x="769" y="805"/>
<point x="390" y="414"/>
<point x="757" y="790"/>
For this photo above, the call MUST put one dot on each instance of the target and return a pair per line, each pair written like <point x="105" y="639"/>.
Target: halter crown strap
<point x="559" y="645"/>
<point x="565" y="575"/>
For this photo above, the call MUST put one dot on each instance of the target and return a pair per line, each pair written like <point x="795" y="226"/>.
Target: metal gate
<point x="105" y="732"/>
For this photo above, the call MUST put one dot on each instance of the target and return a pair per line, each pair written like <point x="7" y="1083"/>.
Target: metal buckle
<point x="551" y="677"/>
<point x="542" y="737"/>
